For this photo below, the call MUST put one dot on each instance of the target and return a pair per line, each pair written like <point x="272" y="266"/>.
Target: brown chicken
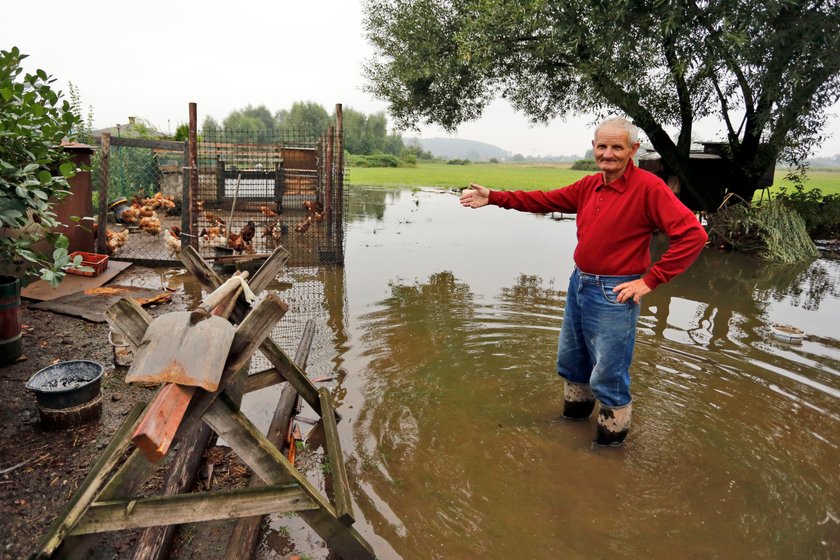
<point x="248" y="232"/>
<point x="304" y="225"/>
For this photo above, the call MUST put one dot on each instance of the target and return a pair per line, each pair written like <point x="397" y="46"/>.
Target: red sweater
<point x="615" y="223"/>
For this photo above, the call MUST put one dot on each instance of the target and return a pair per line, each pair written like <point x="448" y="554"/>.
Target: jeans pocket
<point x="609" y="294"/>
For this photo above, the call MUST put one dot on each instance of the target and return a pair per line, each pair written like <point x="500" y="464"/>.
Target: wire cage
<point x="253" y="195"/>
<point x="244" y="195"/>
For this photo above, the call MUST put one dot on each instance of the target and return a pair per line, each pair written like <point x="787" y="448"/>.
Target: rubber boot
<point x="578" y="401"/>
<point x="613" y="425"/>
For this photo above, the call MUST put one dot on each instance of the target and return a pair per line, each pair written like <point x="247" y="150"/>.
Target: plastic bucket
<point x="11" y="339"/>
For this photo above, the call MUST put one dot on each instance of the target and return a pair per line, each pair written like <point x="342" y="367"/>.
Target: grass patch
<point x="509" y="176"/>
<point x="500" y="176"/>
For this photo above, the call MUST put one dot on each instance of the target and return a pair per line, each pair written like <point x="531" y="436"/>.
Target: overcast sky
<point x="150" y="59"/>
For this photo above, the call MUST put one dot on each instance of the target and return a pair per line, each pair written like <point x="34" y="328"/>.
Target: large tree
<point x="767" y="69"/>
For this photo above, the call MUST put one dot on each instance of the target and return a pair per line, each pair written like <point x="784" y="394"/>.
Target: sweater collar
<point x="621" y="183"/>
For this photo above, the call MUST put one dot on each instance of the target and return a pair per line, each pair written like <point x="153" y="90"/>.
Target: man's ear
<point x="635" y="148"/>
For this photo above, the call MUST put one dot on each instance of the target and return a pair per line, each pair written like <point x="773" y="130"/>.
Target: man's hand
<point x="635" y="289"/>
<point x="475" y="196"/>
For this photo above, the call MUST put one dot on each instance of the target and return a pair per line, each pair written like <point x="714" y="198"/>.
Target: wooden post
<point x="328" y="181"/>
<point x="341" y="486"/>
<point x="104" y="173"/>
<point x="247" y="529"/>
<point x="338" y="221"/>
<point x="193" y="164"/>
<point x="188" y="230"/>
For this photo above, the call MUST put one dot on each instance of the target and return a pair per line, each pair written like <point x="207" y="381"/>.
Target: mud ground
<point x="40" y="468"/>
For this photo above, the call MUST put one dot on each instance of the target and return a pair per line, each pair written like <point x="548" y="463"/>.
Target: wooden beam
<point x="270" y="465"/>
<point x="147" y="143"/>
<point x="341" y="486"/>
<point x="129" y="479"/>
<point x="104" y="170"/>
<point x="117" y="515"/>
<point x="129" y="319"/>
<point x="269" y="269"/>
<point x="243" y="540"/>
<point x="90" y="487"/>
<point x="262" y="379"/>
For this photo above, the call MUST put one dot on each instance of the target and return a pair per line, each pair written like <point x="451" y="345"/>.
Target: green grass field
<point x="493" y="175"/>
<point x="506" y="176"/>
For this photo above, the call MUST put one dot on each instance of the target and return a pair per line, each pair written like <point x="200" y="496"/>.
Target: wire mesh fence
<point x="235" y="199"/>
<point x="239" y="199"/>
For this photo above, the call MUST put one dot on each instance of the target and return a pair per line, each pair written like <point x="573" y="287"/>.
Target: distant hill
<point x="456" y="148"/>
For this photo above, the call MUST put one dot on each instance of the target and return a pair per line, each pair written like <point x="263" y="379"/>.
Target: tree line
<point x="364" y="134"/>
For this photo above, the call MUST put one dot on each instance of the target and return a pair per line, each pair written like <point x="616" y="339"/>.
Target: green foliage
<point x="820" y="213"/>
<point x="773" y="229"/>
<point x="33" y="168"/>
<point x="182" y="132"/>
<point x="585" y="165"/>
<point x="458" y="162"/>
<point x="767" y="69"/>
<point x="373" y="160"/>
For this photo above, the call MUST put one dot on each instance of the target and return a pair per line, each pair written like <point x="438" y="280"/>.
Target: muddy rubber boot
<point x="578" y="401"/>
<point x="613" y="425"/>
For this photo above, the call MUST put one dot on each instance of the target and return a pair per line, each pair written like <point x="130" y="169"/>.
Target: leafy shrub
<point x="33" y="168"/>
<point x="373" y="160"/>
<point x="821" y="213"/>
<point x="458" y="162"/>
<point x="585" y="165"/>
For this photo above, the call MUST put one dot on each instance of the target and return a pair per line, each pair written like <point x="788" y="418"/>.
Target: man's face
<point x="613" y="150"/>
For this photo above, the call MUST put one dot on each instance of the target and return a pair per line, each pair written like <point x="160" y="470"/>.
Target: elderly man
<point x="617" y="211"/>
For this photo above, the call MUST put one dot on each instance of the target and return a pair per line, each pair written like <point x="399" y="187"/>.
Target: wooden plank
<point x="243" y="540"/>
<point x="291" y="373"/>
<point x="127" y="481"/>
<point x="117" y="515"/>
<point x="269" y="270"/>
<point x="156" y="431"/>
<point x="270" y="465"/>
<point x="129" y="319"/>
<point x="104" y="170"/>
<point x="147" y="143"/>
<point x="90" y="487"/>
<point x="341" y="486"/>
<point x="262" y="379"/>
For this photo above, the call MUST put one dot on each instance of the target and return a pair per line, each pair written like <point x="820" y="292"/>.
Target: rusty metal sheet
<point x="91" y="304"/>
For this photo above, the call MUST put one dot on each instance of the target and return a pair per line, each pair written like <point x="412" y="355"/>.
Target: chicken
<point x="150" y="225"/>
<point x="146" y="211"/>
<point x="173" y="242"/>
<point x="268" y="212"/>
<point x="236" y="243"/>
<point x="130" y="215"/>
<point x="304" y="225"/>
<point x="115" y="240"/>
<point x="274" y="230"/>
<point x="318" y="217"/>
<point x="313" y="207"/>
<point x="213" y="218"/>
<point x="248" y="232"/>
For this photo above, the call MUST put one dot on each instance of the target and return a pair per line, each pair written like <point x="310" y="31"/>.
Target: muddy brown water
<point x="441" y="329"/>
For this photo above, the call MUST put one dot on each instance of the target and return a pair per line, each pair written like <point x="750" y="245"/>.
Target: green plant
<point x="33" y="169"/>
<point x="821" y="213"/>
<point x="585" y="165"/>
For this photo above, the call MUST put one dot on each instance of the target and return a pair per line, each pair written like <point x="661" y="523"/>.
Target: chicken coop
<point x="234" y="196"/>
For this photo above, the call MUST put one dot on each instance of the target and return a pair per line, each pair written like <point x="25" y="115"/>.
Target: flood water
<point x="441" y="330"/>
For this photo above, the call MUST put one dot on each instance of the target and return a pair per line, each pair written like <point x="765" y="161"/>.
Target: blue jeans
<point x="598" y="336"/>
